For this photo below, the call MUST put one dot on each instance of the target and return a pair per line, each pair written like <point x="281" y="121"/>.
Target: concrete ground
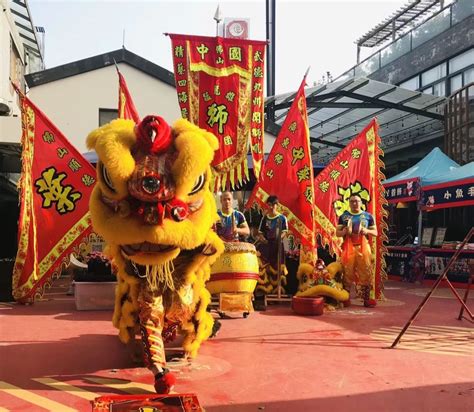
<point x="53" y="357"/>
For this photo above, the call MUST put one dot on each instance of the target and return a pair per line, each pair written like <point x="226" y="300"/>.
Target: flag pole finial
<point x="217" y="18"/>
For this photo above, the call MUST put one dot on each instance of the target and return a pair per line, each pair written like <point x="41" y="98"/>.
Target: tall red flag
<point x="126" y="107"/>
<point x="219" y="82"/>
<point x="356" y="169"/>
<point x="55" y="187"/>
<point x="289" y="173"/>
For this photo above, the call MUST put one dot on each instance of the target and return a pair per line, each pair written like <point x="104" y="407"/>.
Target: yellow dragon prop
<point x="153" y="207"/>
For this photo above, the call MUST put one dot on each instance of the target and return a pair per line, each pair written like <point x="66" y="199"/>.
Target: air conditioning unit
<point x="236" y="28"/>
<point x="5" y="107"/>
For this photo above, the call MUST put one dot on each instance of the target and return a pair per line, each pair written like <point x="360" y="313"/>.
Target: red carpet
<point x="56" y="358"/>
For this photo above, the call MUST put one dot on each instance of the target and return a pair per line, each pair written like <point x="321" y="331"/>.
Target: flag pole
<point x="116" y="66"/>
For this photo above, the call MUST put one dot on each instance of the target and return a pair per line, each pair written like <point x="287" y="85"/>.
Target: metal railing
<point x="436" y="24"/>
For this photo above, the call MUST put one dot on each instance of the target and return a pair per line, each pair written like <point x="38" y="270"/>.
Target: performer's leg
<point x="349" y="276"/>
<point x="151" y="316"/>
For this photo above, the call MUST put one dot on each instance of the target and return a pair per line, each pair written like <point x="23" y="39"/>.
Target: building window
<point x="107" y="115"/>
<point x="16" y="66"/>
<point x="428" y="90"/>
<point x="439" y="89"/>
<point x="456" y="83"/>
<point x="434" y="74"/>
<point x="469" y="76"/>
<point x="460" y="62"/>
<point x="411" y="84"/>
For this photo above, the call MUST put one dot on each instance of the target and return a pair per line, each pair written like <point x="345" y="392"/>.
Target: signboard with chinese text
<point x="427" y="236"/>
<point x="440" y="234"/>
<point x="402" y="191"/>
<point x="450" y="194"/>
<point x="219" y="82"/>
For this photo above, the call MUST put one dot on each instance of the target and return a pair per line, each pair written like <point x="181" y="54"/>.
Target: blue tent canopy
<point x="434" y="165"/>
<point x="459" y="173"/>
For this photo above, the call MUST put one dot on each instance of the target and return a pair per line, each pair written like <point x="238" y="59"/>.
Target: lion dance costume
<point x="153" y="207"/>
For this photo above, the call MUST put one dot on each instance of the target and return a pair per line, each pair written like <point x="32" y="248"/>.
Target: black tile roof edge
<point x="97" y="62"/>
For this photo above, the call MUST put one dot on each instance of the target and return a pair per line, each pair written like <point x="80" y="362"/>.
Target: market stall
<point x="437" y="195"/>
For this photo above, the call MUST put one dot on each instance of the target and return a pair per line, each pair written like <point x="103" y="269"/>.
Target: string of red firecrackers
<point x="205" y="69"/>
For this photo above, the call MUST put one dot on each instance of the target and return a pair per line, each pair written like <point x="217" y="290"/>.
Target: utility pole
<point x="271" y="38"/>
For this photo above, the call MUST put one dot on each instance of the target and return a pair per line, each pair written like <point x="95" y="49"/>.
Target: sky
<point x="316" y="33"/>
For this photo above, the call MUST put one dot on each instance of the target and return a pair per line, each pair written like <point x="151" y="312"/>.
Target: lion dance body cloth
<point x="153" y="206"/>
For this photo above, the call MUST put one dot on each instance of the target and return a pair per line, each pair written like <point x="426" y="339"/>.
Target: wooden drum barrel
<point x="236" y="270"/>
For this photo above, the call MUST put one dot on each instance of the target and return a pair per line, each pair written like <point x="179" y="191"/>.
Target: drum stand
<point x="232" y="302"/>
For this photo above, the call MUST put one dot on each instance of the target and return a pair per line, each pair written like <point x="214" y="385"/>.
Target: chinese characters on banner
<point x="55" y="187"/>
<point x="403" y="190"/>
<point x="449" y="194"/>
<point x="289" y="173"/>
<point x="219" y="82"/>
<point x="356" y="169"/>
<point x="126" y="107"/>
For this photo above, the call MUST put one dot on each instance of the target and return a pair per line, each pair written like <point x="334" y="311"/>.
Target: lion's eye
<point x="106" y="178"/>
<point x="304" y="278"/>
<point x="198" y="185"/>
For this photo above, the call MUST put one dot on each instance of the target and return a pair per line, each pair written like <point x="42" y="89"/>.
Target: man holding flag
<point x="354" y="226"/>
<point x="349" y="204"/>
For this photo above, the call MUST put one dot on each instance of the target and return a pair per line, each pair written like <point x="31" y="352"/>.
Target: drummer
<point x="232" y="224"/>
<point x="272" y="223"/>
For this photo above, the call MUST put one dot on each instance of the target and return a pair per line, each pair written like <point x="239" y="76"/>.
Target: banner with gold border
<point x="357" y="169"/>
<point x="289" y="173"/>
<point x="55" y="187"/>
<point x="219" y="82"/>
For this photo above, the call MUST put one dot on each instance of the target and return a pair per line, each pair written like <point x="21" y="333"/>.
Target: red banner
<point x="289" y="173"/>
<point x="126" y="108"/>
<point x="219" y="82"/>
<point x="55" y="187"/>
<point x="356" y="169"/>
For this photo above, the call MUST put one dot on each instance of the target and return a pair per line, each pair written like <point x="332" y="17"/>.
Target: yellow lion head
<point x="152" y="200"/>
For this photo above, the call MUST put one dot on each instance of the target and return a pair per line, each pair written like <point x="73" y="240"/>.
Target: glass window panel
<point x="456" y="83"/>
<point x="470" y="92"/>
<point x="395" y="50"/>
<point x="461" y="61"/>
<point x="462" y="9"/>
<point x="434" y="74"/>
<point x="439" y="89"/>
<point x="411" y="84"/>
<point x="431" y="28"/>
<point x="469" y="76"/>
<point x="428" y="90"/>
<point x="107" y="115"/>
<point x="368" y="66"/>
